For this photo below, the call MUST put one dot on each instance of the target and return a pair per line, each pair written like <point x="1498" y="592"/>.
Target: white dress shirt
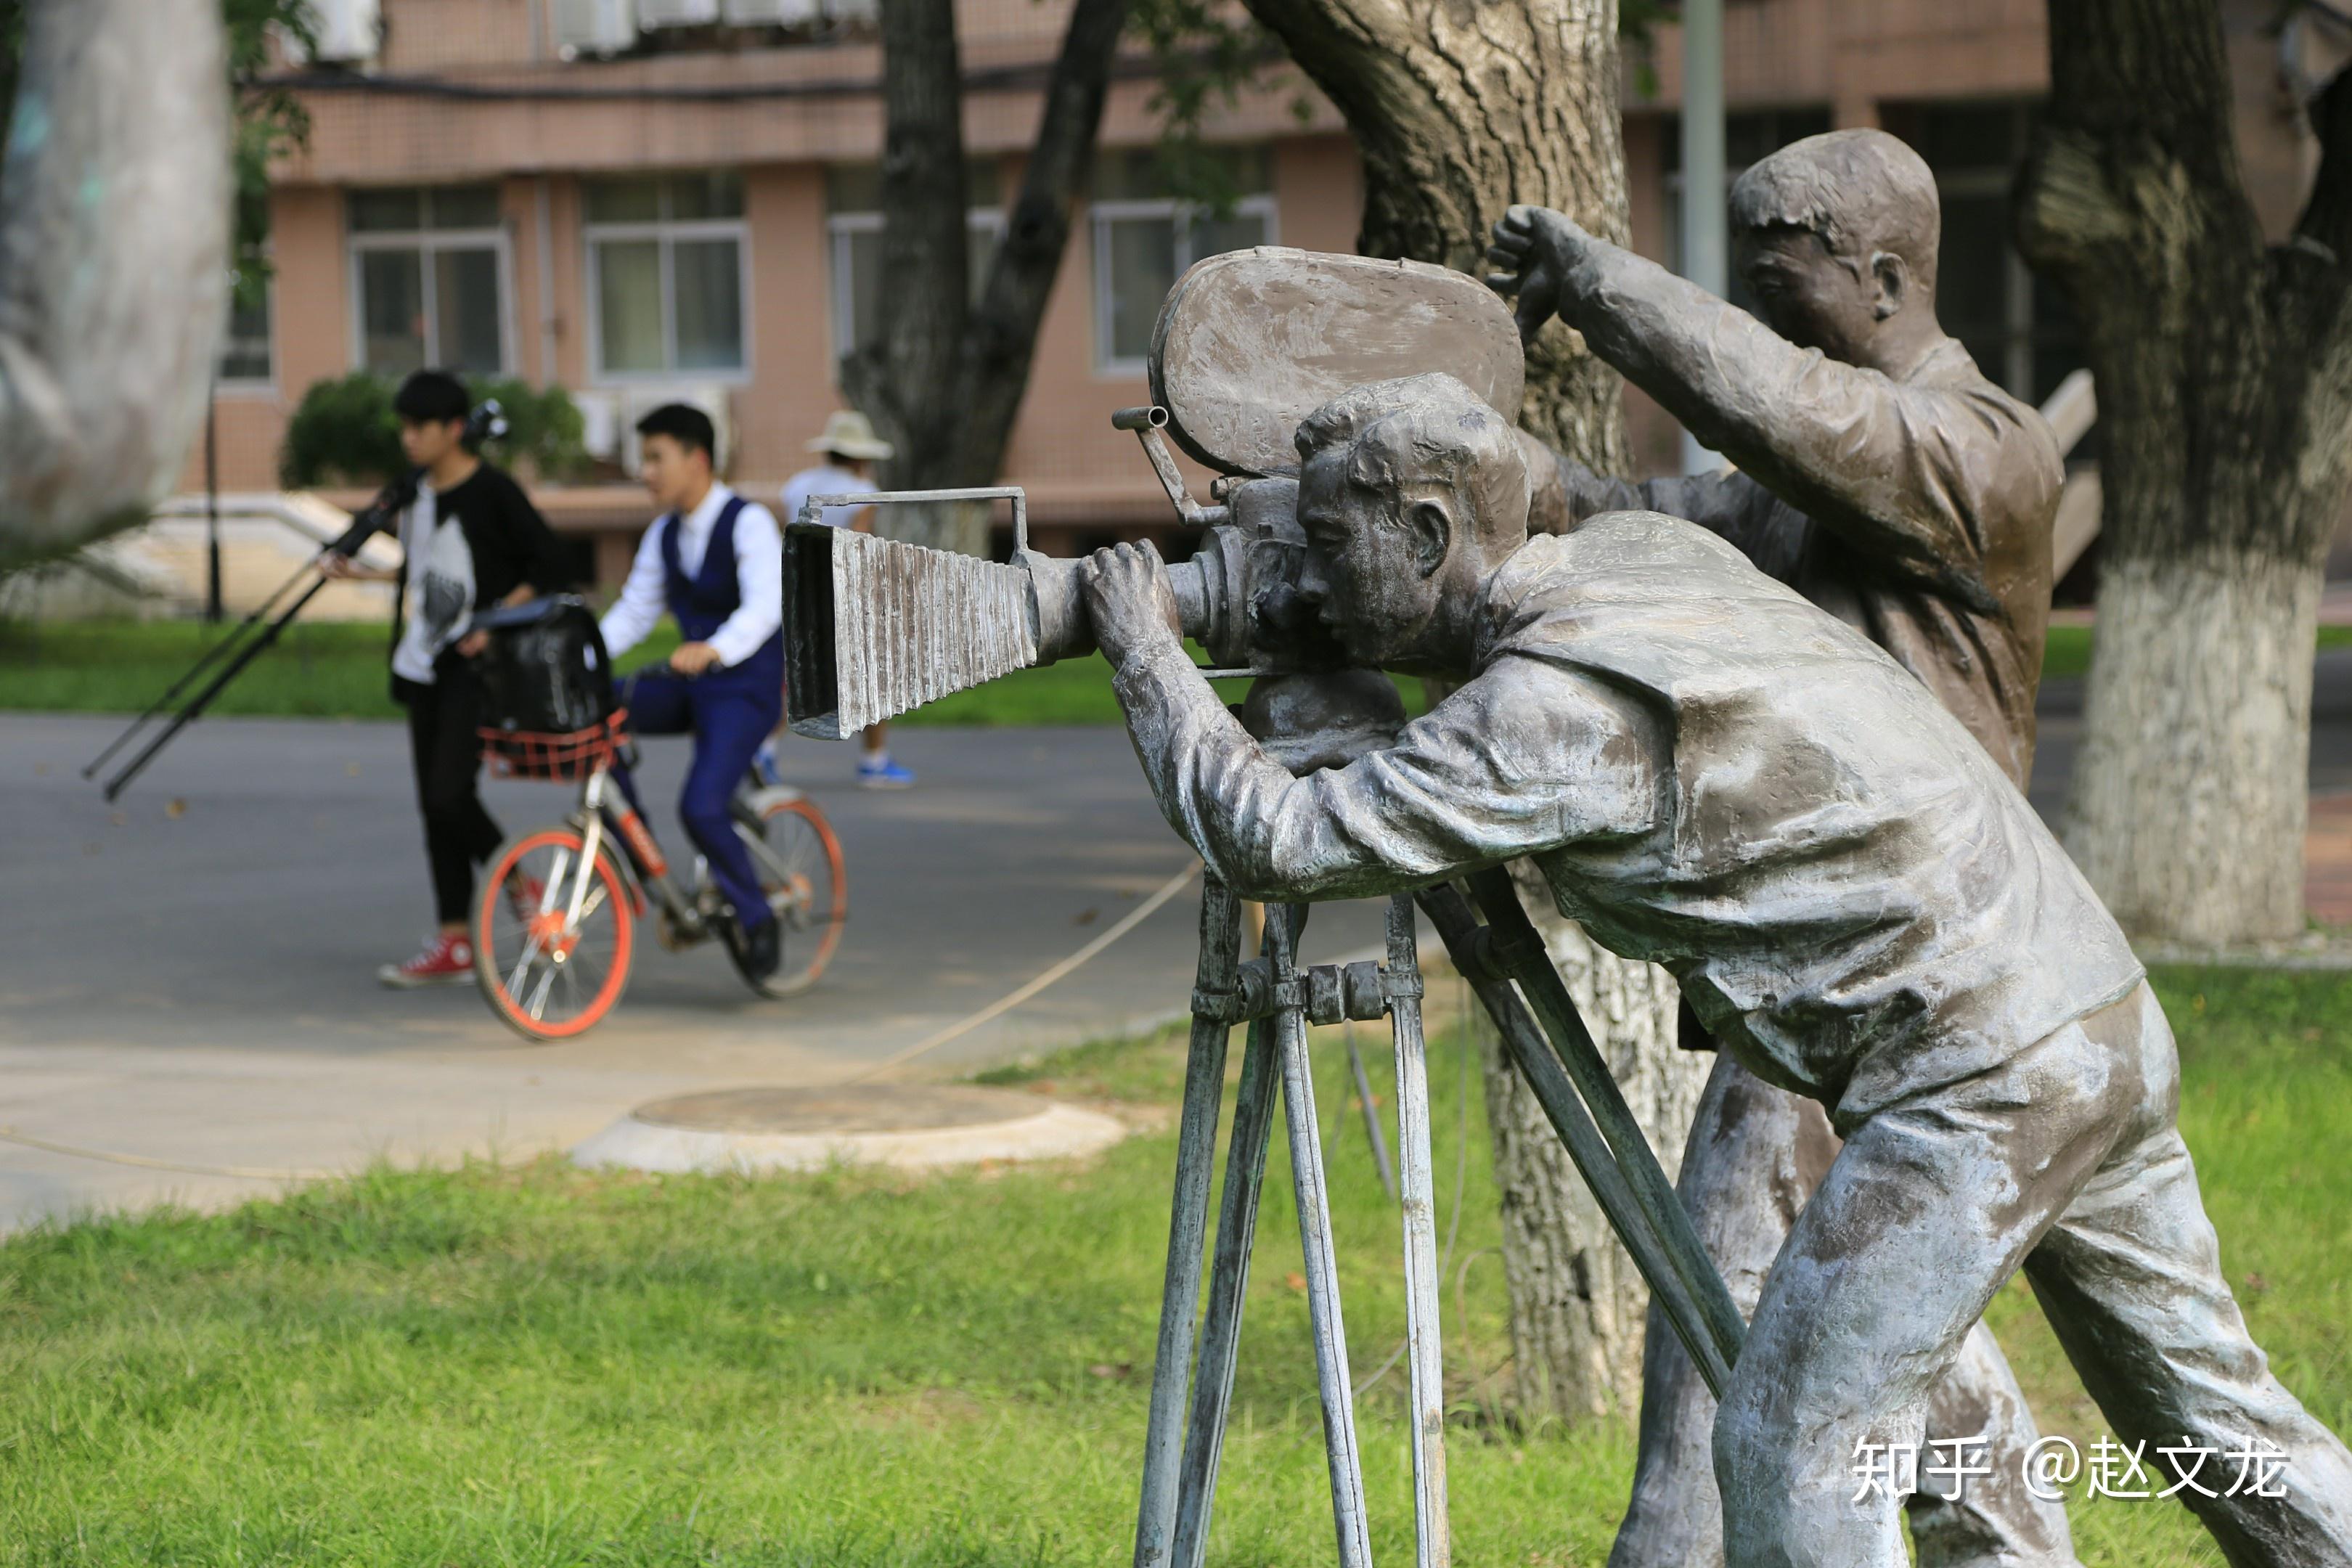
<point x="759" y="576"/>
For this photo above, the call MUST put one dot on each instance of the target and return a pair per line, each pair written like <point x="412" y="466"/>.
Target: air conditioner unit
<point x="593" y="26"/>
<point x="677" y="12"/>
<point x="719" y="402"/>
<point x="771" y="13"/>
<point x="599" y="422"/>
<point x="348" y="32"/>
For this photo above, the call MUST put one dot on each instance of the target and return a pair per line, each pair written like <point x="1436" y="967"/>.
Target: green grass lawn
<point x="337" y="669"/>
<point x="2067" y="649"/>
<point x="537" y="1365"/>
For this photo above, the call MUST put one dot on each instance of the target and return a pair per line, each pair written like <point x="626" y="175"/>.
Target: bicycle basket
<point x="558" y="758"/>
<point x="547" y="691"/>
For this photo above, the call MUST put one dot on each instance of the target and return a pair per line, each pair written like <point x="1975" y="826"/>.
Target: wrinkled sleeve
<point x="1524" y="758"/>
<point x="1894" y="469"/>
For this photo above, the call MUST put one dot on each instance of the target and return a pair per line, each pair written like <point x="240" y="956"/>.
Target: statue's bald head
<point x="1413" y="492"/>
<point x="1428" y="429"/>
<point x="1858" y="191"/>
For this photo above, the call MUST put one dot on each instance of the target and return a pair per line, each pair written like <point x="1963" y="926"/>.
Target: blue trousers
<point x="728" y="719"/>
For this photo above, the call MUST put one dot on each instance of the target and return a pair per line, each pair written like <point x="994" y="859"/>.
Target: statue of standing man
<point x="1883" y="477"/>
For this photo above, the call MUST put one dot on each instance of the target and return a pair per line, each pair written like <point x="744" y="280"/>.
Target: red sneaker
<point x="446" y="959"/>
<point x="523" y="896"/>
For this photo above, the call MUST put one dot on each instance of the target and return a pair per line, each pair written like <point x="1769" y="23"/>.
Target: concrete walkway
<point x="189" y="977"/>
<point x="187" y="980"/>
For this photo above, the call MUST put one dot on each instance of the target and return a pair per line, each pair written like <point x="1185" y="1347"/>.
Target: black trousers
<point x="458" y="832"/>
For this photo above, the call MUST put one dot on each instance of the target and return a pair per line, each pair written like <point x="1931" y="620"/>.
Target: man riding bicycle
<point x="714" y="562"/>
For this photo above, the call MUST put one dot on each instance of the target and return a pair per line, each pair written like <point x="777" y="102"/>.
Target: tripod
<point x="1193" y="1371"/>
<point x="242" y="646"/>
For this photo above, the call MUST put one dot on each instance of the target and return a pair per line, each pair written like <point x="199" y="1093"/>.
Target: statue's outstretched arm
<point x="114" y="230"/>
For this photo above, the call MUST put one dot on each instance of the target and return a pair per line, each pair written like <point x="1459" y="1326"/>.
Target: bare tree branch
<point x="1003" y="333"/>
<point x="114" y="219"/>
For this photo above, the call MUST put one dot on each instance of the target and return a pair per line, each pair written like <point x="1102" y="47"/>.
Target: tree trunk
<point x="114" y="219"/>
<point x="2224" y="369"/>
<point x="946" y="378"/>
<point x="1458" y="111"/>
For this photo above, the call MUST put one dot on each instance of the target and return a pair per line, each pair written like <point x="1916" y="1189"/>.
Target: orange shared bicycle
<point x="555" y="927"/>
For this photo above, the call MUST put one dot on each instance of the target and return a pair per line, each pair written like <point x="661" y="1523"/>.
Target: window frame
<point x="266" y="384"/>
<point x="427" y="243"/>
<point x="1182" y="214"/>
<point x="665" y="233"/>
<point x="840" y="229"/>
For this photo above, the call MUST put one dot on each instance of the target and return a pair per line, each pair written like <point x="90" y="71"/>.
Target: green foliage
<point x="344" y="431"/>
<point x="269" y="121"/>
<point x="1204" y="53"/>
<point x="1638" y="22"/>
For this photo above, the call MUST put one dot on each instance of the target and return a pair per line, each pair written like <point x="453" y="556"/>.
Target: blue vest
<point x="703" y="601"/>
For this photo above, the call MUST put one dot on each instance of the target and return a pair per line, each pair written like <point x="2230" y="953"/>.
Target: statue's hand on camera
<point x="1533" y="251"/>
<point x="1129" y="601"/>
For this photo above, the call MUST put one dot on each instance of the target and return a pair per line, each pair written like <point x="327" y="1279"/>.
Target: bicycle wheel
<point x="799" y="862"/>
<point x="549" y="971"/>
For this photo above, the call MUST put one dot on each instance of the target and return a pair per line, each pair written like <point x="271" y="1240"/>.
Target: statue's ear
<point x="1433" y="530"/>
<point x="1890" y="277"/>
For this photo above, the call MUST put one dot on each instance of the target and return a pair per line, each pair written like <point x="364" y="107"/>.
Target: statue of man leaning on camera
<point x="1716" y="776"/>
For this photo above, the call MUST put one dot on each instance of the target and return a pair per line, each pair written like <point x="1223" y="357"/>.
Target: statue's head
<point x="1835" y="237"/>
<point x="1413" y="491"/>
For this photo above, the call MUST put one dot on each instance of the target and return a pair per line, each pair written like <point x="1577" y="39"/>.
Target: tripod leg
<point x="1524" y="1043"/>
<point x="1433" y="1532"/>
<point x="1322" y="1267"/>
<point x="1522" y="951"/>
<point x="1212" y="1385"/>
<point x="222" y="648"/>
<point x="1196" y="1141"/>
<point x="1371" y="1117"/>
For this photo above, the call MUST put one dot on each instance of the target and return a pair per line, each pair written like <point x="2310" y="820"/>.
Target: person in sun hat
<point x="848" y="449"/>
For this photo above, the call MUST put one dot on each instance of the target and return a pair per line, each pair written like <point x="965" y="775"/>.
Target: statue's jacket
<point x="1916" y="510"/>
<point x="1713" y="774"/>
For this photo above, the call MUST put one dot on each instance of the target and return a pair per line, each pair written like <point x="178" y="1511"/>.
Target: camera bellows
<point x="875" y="626"/>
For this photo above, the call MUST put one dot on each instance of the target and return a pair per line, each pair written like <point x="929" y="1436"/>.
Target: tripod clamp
<point x="1326" y="993"/>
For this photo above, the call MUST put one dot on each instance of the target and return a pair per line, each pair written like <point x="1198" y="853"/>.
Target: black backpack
<point x="545" y="672"/>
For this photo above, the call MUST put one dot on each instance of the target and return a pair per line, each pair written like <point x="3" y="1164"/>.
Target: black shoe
<point x="760" y="952"/>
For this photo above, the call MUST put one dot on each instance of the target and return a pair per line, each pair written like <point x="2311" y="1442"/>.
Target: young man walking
<point x="850" y="450"/>
<point x="716" y="563"/>
<point x="472" y="540"/>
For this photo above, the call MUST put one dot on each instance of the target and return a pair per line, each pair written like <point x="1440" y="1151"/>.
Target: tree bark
<point x="114" y="220"/>
<point x="946" y="380"/>
<point x="1458" y="112"/>
<point x="2224" y="369"/>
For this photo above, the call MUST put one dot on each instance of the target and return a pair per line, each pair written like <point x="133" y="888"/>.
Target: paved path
<point x="188" y="978"/>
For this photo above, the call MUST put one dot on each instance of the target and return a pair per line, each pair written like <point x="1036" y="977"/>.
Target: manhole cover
<point x="869" y="1108"/>
<point x="914" y="1126"/>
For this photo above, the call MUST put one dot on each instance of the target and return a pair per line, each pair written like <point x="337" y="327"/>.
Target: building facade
<point x="641" y="199"/>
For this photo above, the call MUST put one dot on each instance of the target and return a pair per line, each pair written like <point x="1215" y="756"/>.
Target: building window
<point x="2013" y="324"/>
<point x="429" y="273"/>
<point x="1144" y="238"/>
<point x="666" y="275"/>
<point x="854" y="241"/>
<point x="245" y="358"/>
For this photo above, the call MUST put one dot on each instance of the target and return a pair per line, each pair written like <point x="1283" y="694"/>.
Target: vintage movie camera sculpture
<point x="1247" y="346"/>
